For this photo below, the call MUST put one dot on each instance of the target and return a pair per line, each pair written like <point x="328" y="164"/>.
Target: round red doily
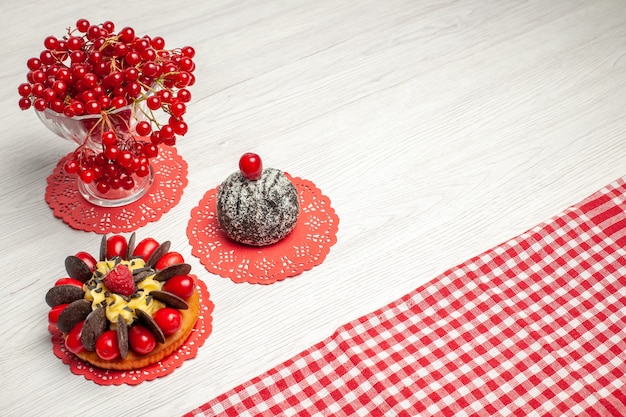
<point x="188" y="350"/>
<point x="305" y="247"/>
<point x="170" y="178"/>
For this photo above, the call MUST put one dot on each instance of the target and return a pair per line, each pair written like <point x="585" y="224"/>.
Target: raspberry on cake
<point x="120" y="280"/>
<point x="257" y="206"/>
<point x="119" y="312"/>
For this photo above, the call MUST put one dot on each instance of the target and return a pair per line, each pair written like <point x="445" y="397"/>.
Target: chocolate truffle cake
<point x="130" y="309"/>
<point x="257" y="206"/>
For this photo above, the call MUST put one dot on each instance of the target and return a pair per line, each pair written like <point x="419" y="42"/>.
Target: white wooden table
<point x="437" y="128"/>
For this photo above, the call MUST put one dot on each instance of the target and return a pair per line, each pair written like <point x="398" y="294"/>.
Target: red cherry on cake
<point x="141" y="339"/>
<point x="72" y="341"/>
<point x="116" y="246"/>
<point x="168" y="319"/>
<point x="107" y="347"/>
<point x="88" y="259"/>
<point x="145" y="248"/>
<point x="251" y="166"/>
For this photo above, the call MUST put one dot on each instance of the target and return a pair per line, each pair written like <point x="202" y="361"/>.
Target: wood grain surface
<point x="438" y="129"/>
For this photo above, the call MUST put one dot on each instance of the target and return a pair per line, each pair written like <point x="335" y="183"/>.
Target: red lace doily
<point x="170" y="178"/>
<point x="305" y="247"/>
<point x="188" y="350"/>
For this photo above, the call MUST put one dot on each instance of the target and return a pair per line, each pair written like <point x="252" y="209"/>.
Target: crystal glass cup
<point x="87" y="131"/>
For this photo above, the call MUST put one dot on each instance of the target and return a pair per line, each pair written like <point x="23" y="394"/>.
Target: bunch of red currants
<point x="96" y="70"/>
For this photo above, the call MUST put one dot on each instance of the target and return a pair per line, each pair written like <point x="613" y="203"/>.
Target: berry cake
<point x="130" y="309"/>
<point x="257" y="206"/>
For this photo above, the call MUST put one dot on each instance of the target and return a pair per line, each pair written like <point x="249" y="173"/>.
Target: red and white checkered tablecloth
<point x="533" y="327"/>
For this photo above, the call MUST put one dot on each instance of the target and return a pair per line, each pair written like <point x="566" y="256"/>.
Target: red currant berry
<point x="78" y="108"/>
<point x="87" y="175"/>
<point x="64" y="74"/>
<point x="115" y="183"/>
<point x="157" y="43"/>
<point x="95" y="57"/>
<point x="68" y="111"/>
<point x="37" y="89"/>
<point x="142" y="170"/>
<point x="184" y="95"/>
<point x="105" y="102"/>
<point x="109" y="139"/>
<point x="25" y="103"/>
<point x="143" y="128"/>
<point x="155" y="137"/>
<point x="57" y="105"/>
<point x="49" y="94"/>
<point x="170" y="141"/>
<point x="251" y="166"/>
<point x="78" y="56"/>
<point x="33" y="64"/>
<point x="93" y="32"/>
<point x="141" y="44"/>
<point x="46" y="57"/>
<point x="24" y="89"/>
<point x="177" y="109"/>
<point x="186" y="64"/>
<point x="127" y="182"/>
<point x="111" y="153"/>
<point x="38" y="76"/>
<point x="127" y="34"/>
<point x="192" y="80"/>
<point x="125" y="158"/>
<point x="108" y="26"/>
<point x="167" y="132"/>
<point x="120" y="50"/>
<point x="92" y="107"/>
<point x="118" y="102"/>
<point x="150" y="150"/>
<point x="182" y="79"/>
<point x="166" y="96"/>
<point x="51" y="43"/>
<point x="188" y="51"/>
<point x="103" y="187"/>
<point x="40" y="104"/>
<point x="74" y="43"/>
<point x="153" y="102"/>
<point x="180" y="127"/>
<point x="149" y="55"/>
<point x="82" y="25"/>
<point x="131" y="73"/>
<point x="133" y="89"/>
<point x="90" y="80"/>
<point x="59" y="87"/>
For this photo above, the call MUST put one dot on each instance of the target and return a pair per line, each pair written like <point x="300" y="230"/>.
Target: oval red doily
<point x="305" y="247"/>
<point x="188" y="350"/>
<point x="170" y="179"/>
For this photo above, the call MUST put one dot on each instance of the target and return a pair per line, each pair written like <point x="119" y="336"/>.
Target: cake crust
<point x="172" y="342"/>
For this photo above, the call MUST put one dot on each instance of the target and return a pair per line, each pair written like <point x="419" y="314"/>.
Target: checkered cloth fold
<point x="532" y="327"/>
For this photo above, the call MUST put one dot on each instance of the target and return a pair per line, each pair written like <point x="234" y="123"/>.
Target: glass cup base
<point x="119" y="197"/>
